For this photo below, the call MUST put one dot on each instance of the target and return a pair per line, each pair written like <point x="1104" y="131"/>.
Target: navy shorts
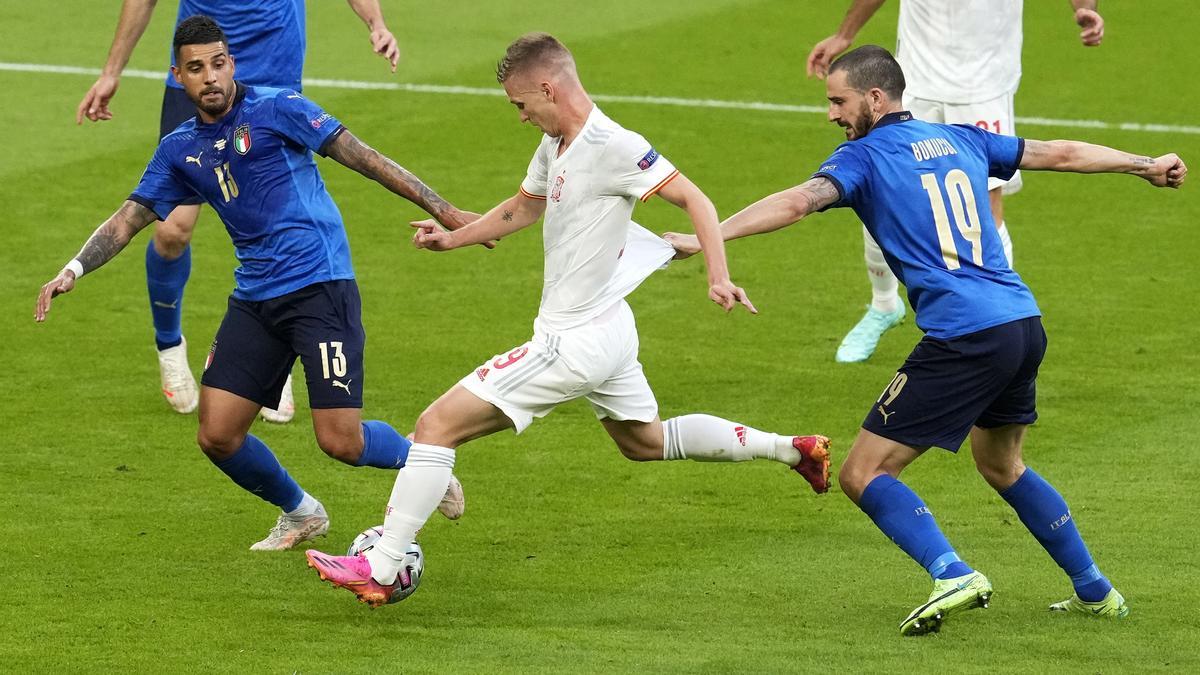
<point x="177" y="108"/>
<point x="258" y="342"/>
<point x="945" y="387"/>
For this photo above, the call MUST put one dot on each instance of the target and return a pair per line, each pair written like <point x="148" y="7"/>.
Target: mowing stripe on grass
<point x="607" y="98"/>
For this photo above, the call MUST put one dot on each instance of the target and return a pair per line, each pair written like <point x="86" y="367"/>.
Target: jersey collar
<point x="893" y="118"/>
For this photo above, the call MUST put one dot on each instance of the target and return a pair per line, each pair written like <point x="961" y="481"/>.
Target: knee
<point x="1000" y="475"/>
<point x="218" y="445"/>
<point x="433" y="428"/>
<point x="344" y="447"/>
<point x="853" y="480"/>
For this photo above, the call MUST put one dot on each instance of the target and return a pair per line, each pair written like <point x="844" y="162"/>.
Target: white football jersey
<point x="960" y="51"/>
<point x="590" y="190"/>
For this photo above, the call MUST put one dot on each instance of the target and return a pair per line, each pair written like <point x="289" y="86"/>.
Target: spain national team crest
<point x="241" y="139"/>
<point x="556" y="193"/>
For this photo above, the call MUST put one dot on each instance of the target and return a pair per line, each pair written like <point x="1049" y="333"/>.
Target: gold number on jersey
<point x="966" y="215"/>
<point x="225" y="179"/>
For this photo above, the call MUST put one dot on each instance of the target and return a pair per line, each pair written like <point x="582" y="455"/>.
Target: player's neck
<point x="575" y="113"/>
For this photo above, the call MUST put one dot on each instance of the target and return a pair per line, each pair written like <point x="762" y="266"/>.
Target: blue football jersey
<point x="266" y="38"/>
<point x="921" y="190"/>
<point x="255" y="167"/>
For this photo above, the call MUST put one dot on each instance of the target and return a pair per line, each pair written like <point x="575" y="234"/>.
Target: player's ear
<point x="175" y="72"/>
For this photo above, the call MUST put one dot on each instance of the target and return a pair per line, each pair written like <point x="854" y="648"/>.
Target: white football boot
<point x="287" y="406"/>
<point x="291" y="531"/>
<point x="178" y="384"/>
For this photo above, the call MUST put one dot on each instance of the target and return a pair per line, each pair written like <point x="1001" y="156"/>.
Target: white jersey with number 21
<point x="960" y="51"/>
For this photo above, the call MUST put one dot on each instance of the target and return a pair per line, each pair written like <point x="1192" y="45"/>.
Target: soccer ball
<point x="410" y="573"/>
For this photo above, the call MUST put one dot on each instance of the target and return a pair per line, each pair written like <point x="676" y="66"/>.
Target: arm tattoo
<point x="819" y="192"/>
<point x="352" y="153"/>
<point x="507" y="217"/>
<point x="112" y="236"/>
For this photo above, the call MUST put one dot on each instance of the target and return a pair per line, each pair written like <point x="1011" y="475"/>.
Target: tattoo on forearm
<point x="112" y="236"/>
<point x="507" y="217"/>
<point x="347" y="150"/>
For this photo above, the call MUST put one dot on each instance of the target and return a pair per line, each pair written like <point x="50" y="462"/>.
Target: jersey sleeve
<point x="161" y="188"/>
<point x="637" y="169"/>
<point x="1004" y="153"/>
<point x="305" y="122"/>
<point x="534" y="185"/>
<point x="848" y="173"/>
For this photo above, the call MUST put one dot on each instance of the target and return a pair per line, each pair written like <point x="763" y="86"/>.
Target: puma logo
<point x="346" y="385"/>
<point x="173" y="305"/>
<point x="195" y="159"/>
<point x="885" y="414"/>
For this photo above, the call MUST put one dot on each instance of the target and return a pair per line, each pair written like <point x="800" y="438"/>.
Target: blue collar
<point x="893" y="118"/>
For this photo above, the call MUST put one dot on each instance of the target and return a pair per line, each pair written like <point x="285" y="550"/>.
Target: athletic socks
<point x="904" y="518"/>
<point x="885" y="295"/>
<point x="256" y="470"/>
<point x="308" y="506"/>
<point x="419" y="487"/>
<point x="1006" y="242"/>
<point x="383" y="446"/>
<point x="165" y="280"/>
<point x="705" y="438"/>
<point x="1045" y="514"/>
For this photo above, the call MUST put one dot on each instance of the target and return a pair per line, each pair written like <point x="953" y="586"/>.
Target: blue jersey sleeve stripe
<point x="1020" y="152"/>
<point x="136" y="198"/>
<point x="329" y="139"/>
<point x="837" y="184"/>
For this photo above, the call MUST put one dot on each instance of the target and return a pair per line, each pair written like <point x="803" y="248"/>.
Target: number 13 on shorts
<point x="333" y="361"/>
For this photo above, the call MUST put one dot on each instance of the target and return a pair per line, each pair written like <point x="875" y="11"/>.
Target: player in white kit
<point x="585" y="177"/>
<point x="962" y="64"/>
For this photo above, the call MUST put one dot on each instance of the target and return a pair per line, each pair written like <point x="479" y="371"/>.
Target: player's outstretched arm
<point x="135" y="16"/>
<point x="1090" y="22"/>
<point x="510" y="215"/>
<point x="105" y="243"/>
<point x="767" y="214"/>
<point x="686" y="195"/>
<point x="354" y="154"/>
<point x="1078" y="157"/>
<point x="828" y="49"/>
<point x="383" y="42"/>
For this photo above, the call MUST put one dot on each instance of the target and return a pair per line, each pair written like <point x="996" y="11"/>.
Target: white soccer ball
<point x="410" y="572"/>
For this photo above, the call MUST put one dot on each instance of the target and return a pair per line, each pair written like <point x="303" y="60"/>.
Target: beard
<point x="213" y="106"/>
<point x="860" y="125"/>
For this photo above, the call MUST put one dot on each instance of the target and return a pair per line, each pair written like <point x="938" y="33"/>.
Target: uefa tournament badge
<point x="241" y="139"/>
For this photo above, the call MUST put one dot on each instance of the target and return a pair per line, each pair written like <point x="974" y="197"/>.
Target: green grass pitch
<point x="125" y="550"/>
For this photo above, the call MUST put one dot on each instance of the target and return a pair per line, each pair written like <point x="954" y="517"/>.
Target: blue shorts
<point x="945" y="387"/>
<point x="177" y="108"/>
<point x="258" y="342"/>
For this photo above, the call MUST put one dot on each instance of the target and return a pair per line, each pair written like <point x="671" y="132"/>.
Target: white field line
<point x="609" y="98"/>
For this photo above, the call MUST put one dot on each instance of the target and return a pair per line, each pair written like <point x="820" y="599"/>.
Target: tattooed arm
<point x="767" y="214"/>
<point x="1077" y="157"/>
<point x="104" y="244"/>
<point x="354" y="154"/>
<point x="510" y="215"/>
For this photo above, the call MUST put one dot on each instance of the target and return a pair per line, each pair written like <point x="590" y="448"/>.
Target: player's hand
<point x="431" y="235"/>
<point x="1169" y="171"/>
<point x="94" y="105"/>
<point x="823" y="54"/>
<point x="384" y="44"/>
<point x="1092" y="24"/>
<point x="460" y="219"/>
<point x="685" y="245"/>
<point x="63" y="283"/>
<point x="725" y="294"/>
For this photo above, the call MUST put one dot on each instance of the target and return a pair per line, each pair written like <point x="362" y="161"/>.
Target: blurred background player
<point x="249" y="154"/>
<point x="962" y="61"/>
<point x="269" y="40"/>
<point x="915" y="187"/>
<point x="586" y="176"/>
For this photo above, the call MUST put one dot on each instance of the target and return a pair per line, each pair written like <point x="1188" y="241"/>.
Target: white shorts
<point x="995" y="115"/>
<point x="597" y="361"/>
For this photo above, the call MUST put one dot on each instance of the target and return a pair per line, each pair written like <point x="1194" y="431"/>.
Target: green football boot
<point x="1111" y="607"/>
<point x="949" y="596"/>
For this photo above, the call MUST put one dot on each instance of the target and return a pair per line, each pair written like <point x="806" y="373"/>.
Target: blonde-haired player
<point x="585" y="177"/>
<point x="962" y="62"/>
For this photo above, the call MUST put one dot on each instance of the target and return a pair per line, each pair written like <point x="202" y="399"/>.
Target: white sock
<point x="704" y="438"/>
<point x="1006" y="241"/>
<point x="308" y="506"/>
<point x="885" y="295"/>
<point x="419" y="487"/>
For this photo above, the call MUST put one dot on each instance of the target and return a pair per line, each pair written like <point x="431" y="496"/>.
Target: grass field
<point x="125" y="550"/>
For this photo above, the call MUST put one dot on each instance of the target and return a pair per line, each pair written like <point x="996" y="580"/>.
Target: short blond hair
<point x="533" y="49"/>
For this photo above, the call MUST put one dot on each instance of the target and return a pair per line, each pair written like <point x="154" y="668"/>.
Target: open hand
<point x="823" y="54"/>
<point x="63" y="283"/>
<point x="94" y="105"/>
<point x="384" y="44"/>
<point x="725" y="294"/>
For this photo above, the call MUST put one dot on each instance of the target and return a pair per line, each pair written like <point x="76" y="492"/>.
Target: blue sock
<point x="905" y="519"/>
<point x="383" y="446"/>
<point x="254" y="468"/>
<point x="1045" y="514"/>
<point x="165" y="280"/>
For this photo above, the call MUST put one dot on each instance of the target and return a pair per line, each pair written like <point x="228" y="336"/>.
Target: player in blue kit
<point x="921" y="190"/>
<point x="248" y="153"/>
<point x="268" y="38"/>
